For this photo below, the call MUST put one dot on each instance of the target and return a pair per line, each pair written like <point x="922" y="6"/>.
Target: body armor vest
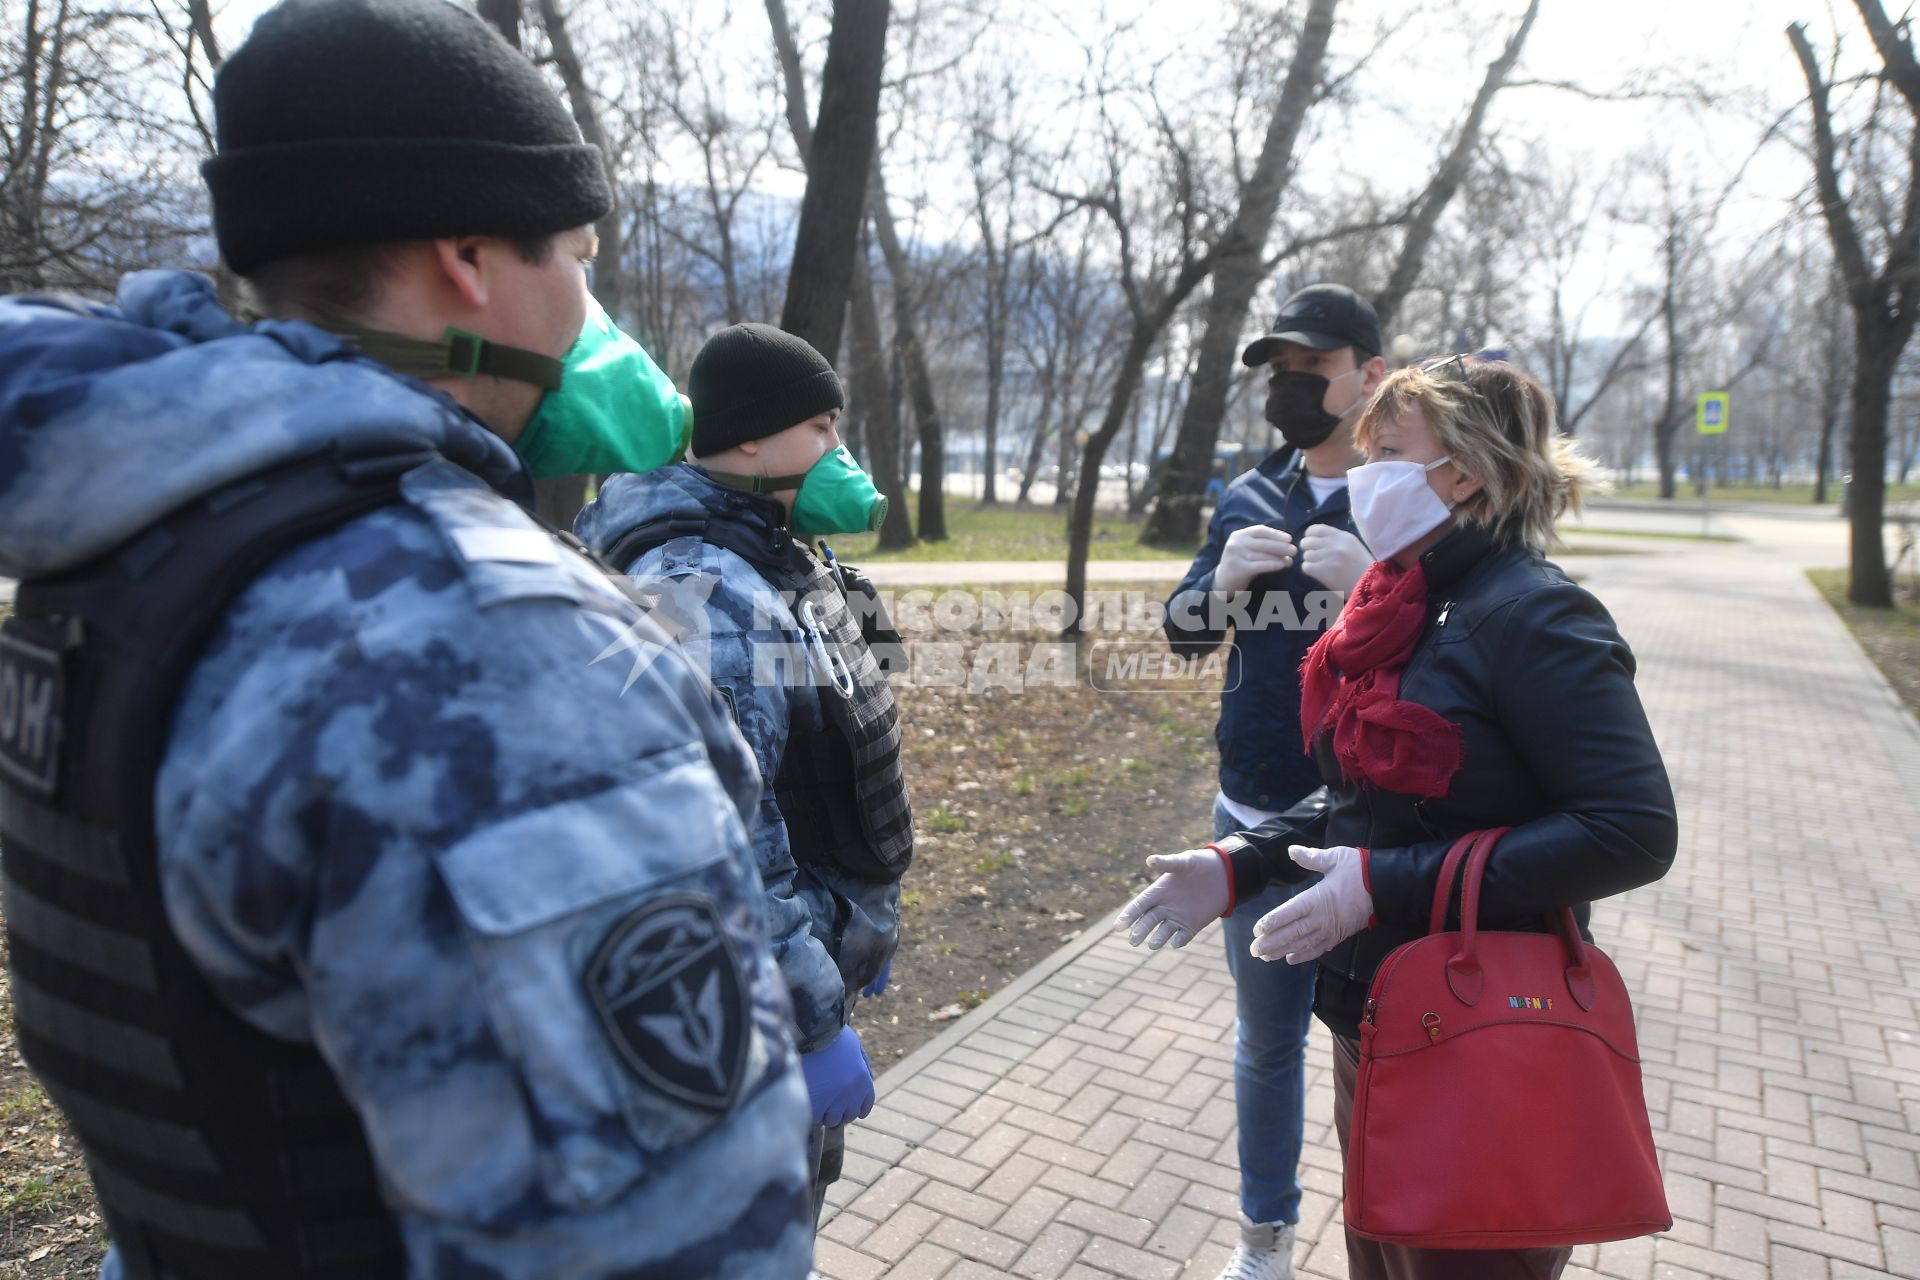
<point x="216" y="1150"/>
<point x="841" y="794"/>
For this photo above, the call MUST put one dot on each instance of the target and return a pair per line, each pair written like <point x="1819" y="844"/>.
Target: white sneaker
<point x="1265" y="1252"/>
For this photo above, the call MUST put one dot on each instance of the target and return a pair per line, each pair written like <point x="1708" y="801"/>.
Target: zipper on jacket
<point x="1445" y="609"/>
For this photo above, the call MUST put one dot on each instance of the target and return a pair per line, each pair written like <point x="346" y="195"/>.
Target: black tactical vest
<point x="216" y="1150"/>
<point x="842" y="794"/>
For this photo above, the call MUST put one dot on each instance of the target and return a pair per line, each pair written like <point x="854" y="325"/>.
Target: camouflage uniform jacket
<point x="832" y="932"/>
<point x="405" y="815"/>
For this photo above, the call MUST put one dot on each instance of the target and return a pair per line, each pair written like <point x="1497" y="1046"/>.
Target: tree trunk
<point x="996" y="372"/>
<point x="873" y="383"/>
<point x="873" y="390"/>
<point x="1145" y="331"/>
<point x="502" y="15"/>
<point x="559" y="500"/>
<point x="1080" y="520"/>
<point x="1885" y="302"/>
<point x="913" y="354"/>
<point x="1829" y="421"/>
<point x="1877" y="349"/>
<point x="1668" y="424"/>
<point x="1042" y="423"/>
<point x="608" y="279"/>
<point x="1238" y="274"/>
<point x="840" y="157"/>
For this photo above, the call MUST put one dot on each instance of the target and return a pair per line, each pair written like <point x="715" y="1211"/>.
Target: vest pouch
<point x="844" y="797"/>
<point x="618" y="980"/>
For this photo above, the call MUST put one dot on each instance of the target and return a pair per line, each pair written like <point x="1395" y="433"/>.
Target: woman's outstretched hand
<point x="1315" y="921"/>
<point x="1191" y="891"/>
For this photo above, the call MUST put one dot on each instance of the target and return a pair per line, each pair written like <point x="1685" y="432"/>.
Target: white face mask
<point x="1394" y="506"/>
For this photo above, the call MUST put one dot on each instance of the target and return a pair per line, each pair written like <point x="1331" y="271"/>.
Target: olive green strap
<point x="459" y="354"/>
<point x="757" y="484"/>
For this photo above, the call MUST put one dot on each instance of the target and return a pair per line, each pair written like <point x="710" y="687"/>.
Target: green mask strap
<point x="757" y="484"/>
<point x="459" y="354"/>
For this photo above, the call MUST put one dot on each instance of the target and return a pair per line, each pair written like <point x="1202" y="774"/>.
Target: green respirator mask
<point x="607" y="408"/>
<point x="835" y="496"/>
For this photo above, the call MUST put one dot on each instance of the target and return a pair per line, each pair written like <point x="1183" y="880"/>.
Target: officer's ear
<point x="1376" y="373"/>
<point x="461" y="260"/>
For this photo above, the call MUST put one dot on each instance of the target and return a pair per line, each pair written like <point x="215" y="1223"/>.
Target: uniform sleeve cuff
<point x="1366" y="882"/>
<point x="1233" y="896"/>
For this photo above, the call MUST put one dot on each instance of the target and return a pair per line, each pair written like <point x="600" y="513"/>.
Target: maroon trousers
<point x="1371" y="1260"/>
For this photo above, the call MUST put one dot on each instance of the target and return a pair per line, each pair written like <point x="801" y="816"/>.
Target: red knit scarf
<point x="1350" y="687"/>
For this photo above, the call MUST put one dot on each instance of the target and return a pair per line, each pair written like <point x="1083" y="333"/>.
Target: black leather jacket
<point x="1532" y="669"/>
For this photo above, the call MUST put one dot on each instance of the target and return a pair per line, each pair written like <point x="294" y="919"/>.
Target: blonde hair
<point x="1499" y="427"/>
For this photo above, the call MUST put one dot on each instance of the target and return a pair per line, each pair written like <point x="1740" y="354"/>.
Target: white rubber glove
<point x="1334" y="557"/>
<point x="1191" y="891"/>
<point x="1315" y="921"/>
<point x="1250" y="552"/>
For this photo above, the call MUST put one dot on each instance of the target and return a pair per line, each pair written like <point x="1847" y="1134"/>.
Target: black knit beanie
<point x="751" y="380"/>
<point x="355" y="122"/>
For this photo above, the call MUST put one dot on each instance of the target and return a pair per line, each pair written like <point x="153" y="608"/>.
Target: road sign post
<point x="1710" y="418"/>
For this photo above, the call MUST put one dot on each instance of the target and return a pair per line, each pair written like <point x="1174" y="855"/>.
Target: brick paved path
<point x="1081" y="1123"/>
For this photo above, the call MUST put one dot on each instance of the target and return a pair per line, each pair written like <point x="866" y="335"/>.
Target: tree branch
<point x="1847" y="248"/>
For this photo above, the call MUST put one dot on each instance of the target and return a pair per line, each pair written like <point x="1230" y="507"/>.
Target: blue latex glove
<point x="839" y="1081"/>
<point x="878" y="987"/>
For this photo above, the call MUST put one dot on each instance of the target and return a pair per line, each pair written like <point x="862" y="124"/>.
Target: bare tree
<point x="913" y="358"/>
<point x="1238" y="272"/>
<point x="1156" y="275"/>
<point x="872" y="380"/>
<point x="95" y="149"/>
<point x="1447" y="178"/>
<point x="1880" y="221"/>
<point x="840" y="158"/>
<point x="991" y="155"/>
<point x="1564" y="209"/>
<point x="731" y="153"/>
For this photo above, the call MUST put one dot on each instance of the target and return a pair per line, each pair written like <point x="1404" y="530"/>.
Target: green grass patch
<point x="1593" y="549"/>
<point x="35" y="1193"/>
<point x="1008" y="532"/>
<point x="1658" y="535"/>
<point x="988" y="863"/>
<point x="1891" y="637"/>
<point x="1801" y="494"/>
<point x="28" y="1102"/>
<point x="944" y="822"/>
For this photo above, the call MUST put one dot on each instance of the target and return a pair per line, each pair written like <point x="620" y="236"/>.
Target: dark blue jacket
<point x="1263" y="762"/>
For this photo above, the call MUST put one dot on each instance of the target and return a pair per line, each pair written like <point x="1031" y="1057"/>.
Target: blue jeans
<point x="1274" y="1001"/>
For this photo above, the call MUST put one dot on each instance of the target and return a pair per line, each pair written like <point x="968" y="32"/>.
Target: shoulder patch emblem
<point x="670" y="993"/>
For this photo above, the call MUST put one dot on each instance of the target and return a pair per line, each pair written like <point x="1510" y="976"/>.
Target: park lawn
<point x="1663" y="534"/>
<point x="1891" y="637"/>
<point x="1799" y="494"/>
<point x="1008" y="532"/>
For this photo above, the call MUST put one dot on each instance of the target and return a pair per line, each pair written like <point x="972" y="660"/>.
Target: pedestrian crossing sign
<point x="1710" y="417"/>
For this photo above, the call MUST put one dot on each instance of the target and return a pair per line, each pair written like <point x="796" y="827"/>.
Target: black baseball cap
<point x="1320" y="316"/>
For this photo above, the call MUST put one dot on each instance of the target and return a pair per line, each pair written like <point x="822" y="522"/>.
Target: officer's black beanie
<point x="751" y="380"/>
<point x="356" y="122"/>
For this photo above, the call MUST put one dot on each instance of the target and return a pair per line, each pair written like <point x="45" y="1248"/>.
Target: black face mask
<point x="1294" y="406"/>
